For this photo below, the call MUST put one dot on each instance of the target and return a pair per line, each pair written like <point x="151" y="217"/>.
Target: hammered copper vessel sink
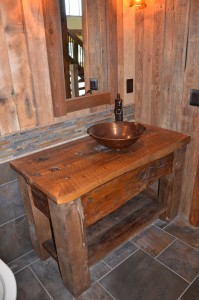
<point x="116" y="135"/>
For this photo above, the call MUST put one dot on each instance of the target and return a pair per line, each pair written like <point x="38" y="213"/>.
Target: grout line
<point x="162" y="229"/>
<point x="171" y="222"/>
<point x="26" y="266"/>
<point x="164" y="265"/>
<point x="172" y="270"/>
<point x="8" y="182"/>
<point x="106" y="264"/>
<point x="116" y="266"/>
<point x="177" y="238"/>
<point x="123" y="259"/>
<point x="12" y="220"/>
<point x="165" y="248"/>
<point x="188" y="287"/>
<point x="20" y="256"/>
<point x="187" y="244"/>
<point x="41" y="283"/>
<point x="107" y="291"/>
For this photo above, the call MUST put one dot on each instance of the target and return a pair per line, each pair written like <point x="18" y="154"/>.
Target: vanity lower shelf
<point x="111" y="231"/>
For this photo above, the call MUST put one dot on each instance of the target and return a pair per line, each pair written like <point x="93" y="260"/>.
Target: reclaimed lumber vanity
<point x="79" y="197"/>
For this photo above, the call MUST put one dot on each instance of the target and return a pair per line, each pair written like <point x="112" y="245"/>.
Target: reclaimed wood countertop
<point x="67" y="172"/>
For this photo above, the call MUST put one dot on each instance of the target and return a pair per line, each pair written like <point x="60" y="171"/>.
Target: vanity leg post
<point x="171" y="186"/>
<point x="39" y="225"/>
<point x="70" y="239"/>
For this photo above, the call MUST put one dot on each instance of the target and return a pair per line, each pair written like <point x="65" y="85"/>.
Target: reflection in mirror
<point x="73" y="52"/>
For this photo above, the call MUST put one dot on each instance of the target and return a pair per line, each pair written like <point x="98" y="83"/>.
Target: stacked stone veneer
<point x="26" y="142"/>
<point x="14" y="234"/>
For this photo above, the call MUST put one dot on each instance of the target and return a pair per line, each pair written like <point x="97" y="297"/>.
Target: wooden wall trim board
<point x="52" y="25"/>
<point x="88" y="101"/>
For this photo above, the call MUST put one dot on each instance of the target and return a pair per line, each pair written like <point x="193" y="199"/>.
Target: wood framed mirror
<point x="102" y="52"/>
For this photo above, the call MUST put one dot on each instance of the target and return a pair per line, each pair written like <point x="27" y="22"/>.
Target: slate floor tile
<point x="28" y="287"/>
<point x="98" y="270"/>
<point x="96" y="292"/>
<point x="48" y="274"/>
<point x="185" y="232"/>
<point x="192" y="293"/>
<point x="141" y="277"/>
<point x="160" y="223"/>
<point x="153" y="240"/>
<point x="121" y="253"/>
<point x="11" y="206"/>
<point x="15" y="235"/>
<point x="181" y="258"/>
<point x="23" y="261"/>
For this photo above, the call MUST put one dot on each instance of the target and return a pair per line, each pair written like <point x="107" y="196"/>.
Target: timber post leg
<point x="39" y="225"/>
<point x="171" y="186"/>
<point x="68" y="227"/>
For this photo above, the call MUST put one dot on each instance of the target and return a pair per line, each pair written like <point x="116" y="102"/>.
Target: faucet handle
<point x="118" y="109"/>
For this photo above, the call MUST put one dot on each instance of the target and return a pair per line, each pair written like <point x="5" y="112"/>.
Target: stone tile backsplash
<point x="34" y="140"/>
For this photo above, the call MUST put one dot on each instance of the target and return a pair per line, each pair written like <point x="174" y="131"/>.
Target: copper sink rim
<point x="115" y="142"/>
<point x="113" y="139"/>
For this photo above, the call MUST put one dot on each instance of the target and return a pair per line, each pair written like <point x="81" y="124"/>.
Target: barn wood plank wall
<point x="25" y="73"/>
<point x="25" y="100"/>
<point x="167" y="59"/>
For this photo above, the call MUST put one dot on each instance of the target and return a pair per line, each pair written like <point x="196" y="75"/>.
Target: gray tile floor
<point x="160" y="263"/>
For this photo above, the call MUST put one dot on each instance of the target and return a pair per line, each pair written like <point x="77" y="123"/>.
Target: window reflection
<point x="73" y="7"/>
<point x="73" y="52"/>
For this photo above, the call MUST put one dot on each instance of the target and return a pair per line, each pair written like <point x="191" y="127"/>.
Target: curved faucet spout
<point x="118" y="111"/>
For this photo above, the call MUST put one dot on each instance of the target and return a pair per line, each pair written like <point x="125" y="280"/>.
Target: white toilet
<point x="8" y="287"/>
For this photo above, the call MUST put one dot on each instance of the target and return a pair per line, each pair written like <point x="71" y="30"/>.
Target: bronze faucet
<point x="118" y="111"/>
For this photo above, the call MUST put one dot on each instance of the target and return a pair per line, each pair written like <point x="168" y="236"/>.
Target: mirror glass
<point x="73" y="50"/>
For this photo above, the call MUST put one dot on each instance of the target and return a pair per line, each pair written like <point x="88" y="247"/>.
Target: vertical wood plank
<point x="22" y="80"/>
<point x="139" y="35"/>
<point x="128" y="50"/>
<point x="190" y="115"/>
<point x="68" y="228"/>
<point x="112" y="7"/>
<point x="147" y="62"/>
<point x="194" y="215"/>
<point x="120" y="48"/>
<point x="6" y="88"/>
<point x="65" y="48"/>
<point x="23" y="95"/>
<point x="157" y="59"/>
<point x="9" y="119"/>
<point x="35" y="33"/>
<point x="52" y="24"/>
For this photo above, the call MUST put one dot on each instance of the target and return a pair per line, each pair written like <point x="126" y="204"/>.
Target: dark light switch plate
<point x="194" y="97"/>
<point x="129" y="85"/>
<point x="93" y="84"/>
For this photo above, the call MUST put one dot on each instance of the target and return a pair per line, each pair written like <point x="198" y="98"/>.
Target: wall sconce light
<point x="139" y="4"/>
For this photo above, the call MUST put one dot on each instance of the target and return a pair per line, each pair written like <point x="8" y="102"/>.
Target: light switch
<point x="93" y="84"/>
<point x="194" y="97"/>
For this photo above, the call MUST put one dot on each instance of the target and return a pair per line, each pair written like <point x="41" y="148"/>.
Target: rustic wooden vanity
<point x="78" y="197"/>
